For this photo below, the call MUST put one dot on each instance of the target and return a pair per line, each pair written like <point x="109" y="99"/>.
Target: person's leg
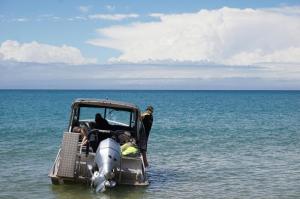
<point x="145" y="158"/>
<point x="84" y="134"/>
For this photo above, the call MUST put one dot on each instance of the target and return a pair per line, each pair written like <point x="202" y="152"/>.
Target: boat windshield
<point x="113" y="116"/>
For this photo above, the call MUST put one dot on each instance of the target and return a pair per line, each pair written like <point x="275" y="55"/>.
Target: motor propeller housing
<point x="107" y="159"/>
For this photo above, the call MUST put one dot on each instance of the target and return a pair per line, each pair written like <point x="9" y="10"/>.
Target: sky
<point x="127" y="44"/>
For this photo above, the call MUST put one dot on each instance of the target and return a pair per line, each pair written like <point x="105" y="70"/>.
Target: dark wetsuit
<point x="101" y="124"/>
<point x="147" y="122"/>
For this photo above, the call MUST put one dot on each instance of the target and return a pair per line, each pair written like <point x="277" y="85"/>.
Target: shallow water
<point x="204" y="144"/>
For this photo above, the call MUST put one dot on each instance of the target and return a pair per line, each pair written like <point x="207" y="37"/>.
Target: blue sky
<point x="249" y="41"/>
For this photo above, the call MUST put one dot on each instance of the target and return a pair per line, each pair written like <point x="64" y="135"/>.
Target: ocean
<point x="203" y="144"/>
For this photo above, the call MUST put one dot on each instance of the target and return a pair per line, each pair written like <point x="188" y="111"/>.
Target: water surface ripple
<point x="204" y="144"/>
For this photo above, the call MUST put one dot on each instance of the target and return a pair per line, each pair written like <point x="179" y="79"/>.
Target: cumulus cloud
<point x="42" y="53"/>
<point x="114" y="17"/>
<point x="229" y="36"/>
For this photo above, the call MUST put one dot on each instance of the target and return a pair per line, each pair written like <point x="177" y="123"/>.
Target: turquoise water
<point x="204" y="144"/>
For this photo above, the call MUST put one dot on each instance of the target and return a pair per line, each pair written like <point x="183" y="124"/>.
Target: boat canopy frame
<point x="106" y="104"/>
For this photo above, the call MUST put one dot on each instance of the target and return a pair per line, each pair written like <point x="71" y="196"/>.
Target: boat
<point x="100" y="162"/>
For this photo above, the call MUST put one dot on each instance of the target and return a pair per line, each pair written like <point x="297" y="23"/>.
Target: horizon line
<point x="70" y="89"/>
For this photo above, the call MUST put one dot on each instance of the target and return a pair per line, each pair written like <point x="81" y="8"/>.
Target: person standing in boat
<point x="147" y="119"/>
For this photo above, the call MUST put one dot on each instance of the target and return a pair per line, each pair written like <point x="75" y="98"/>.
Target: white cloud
<point x="22" y="19"/>
<point x="287" y="10"/>
<point x="128" y="76"/>
<point x="156" y="15"/>
<point x="110" y="7"/>
<point x="55" y="18"/>
<point x="227" y="36"/>
<point x="77" y="18"/>
<point x="84" y="9"/>
<point x="114" y="17"/>
<point x="42" y="53"/>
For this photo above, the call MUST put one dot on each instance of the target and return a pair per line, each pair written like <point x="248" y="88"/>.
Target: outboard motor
<point x="108" y="160"/>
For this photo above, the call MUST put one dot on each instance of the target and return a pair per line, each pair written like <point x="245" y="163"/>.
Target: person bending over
<point x="147" y="119"/>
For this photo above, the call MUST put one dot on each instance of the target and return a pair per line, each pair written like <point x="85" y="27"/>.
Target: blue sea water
<point x="204" y="144"/>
